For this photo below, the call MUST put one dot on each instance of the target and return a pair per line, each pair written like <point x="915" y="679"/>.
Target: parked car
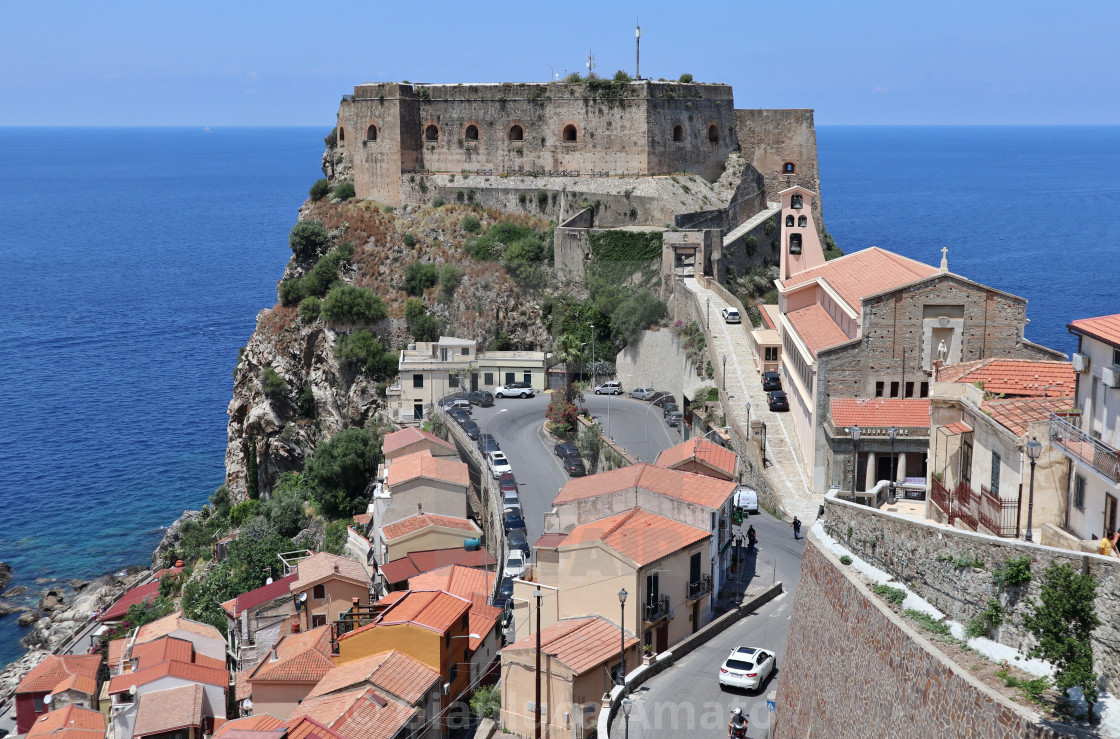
<point x="514" y="390"/>
<point x="449" y="401"/>
<point x="498" y="464"/>
<point x="519" y="543"/>
<point x="746" y="667"/>
<point x="566" y="449"/>
<point x="487" y="444"/>
<point x="507" y="483"/>
<point x="460" y="404"/>
<point x="470" y="428"/>
<point x="511" y="500"/>
<point x="746" y="498"/>
<point x="505" y="593"/>
<point x="483" y="398"/>
<point x="515" y="564"/>
<point x="513" y="519"/>
<point x="459" y="417"/>
<point x="573" y="465"/>
<point x="669" y="408"/>
<point x="777" y="400"/>
<point x="642" y="393"/>
<point x="771" y="381"/>
<point x="611" y="387"/>
<point x="731" y="315"/>
<point x="674" y="418"/>
<point x="666" y="398"/>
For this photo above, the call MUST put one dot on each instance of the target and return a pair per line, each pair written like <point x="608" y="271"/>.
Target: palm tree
<point x="568" y="349"/>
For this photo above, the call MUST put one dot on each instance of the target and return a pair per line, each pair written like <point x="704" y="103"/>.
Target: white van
<point x="614" y="387"/>
<point x="747" y="499"/>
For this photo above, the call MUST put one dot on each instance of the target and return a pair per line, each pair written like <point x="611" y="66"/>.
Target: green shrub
<point x="770" y="227"/>
<point x="334" y="539"/>
<point x="343" y="190"/>
<point x="471" y="224"/>
<point x="305" y="404"/>
<point x="634" y="315"/>
<point x="438" y="203"/>
<point x="309" y="309"/>
<point x="845" y="560"/>
<point x="308" y="239"/>
<point x="413" y="308"/>
<point x="290" y="291"/>
<point x="968" y="561"/>
<point x="894" y="596"/>
<point x="285" y="510"/>
<point x="362" y="353"/>
<point x="621" y="76"/>
<point x="324" y="274"/>
<point x="449" y="278"/>
<point x="426" y="328"/>
<point x="486" y="702"/>
<point x="320" y="189"/>
<point x="750" y="245"/>
<point x="243" y="511"/>
<point x="419" y="276"/>
<point x="1014" y="571"/>
<point x="986" y="622"/>
<point x="928" y="622"/>
<point x="331" y="139"/>
<point x="340" y="470"/>
<point x="409" y="239"/>
<point x="573" y="78"/>
<point x="686" y="78"/>
<point x="272" y="384"/>
<point x="352" y="305"/>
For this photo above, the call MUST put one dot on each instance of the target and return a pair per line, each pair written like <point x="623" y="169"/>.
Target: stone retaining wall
<point x="928" y="557"/>
<point x="854" y="669"/>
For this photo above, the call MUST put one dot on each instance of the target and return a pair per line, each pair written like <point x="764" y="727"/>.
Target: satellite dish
<point x="247" y="704"/>
<point x="47" y="699"/>
<point x="132" y="690"/>
<point x="303" y="597"/>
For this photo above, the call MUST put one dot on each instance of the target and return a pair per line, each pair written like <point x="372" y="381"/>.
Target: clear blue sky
<point x="287" y="63"/>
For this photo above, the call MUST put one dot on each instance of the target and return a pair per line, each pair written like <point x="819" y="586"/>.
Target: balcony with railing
<point x="1084" y="448"/>
<point x="699" y="588"/>
<point x="656" y="609"/>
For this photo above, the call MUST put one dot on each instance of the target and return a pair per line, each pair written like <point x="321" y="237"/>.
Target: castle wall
<point x="771" y="138"/>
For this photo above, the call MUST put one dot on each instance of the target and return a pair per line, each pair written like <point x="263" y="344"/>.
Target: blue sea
<point x="134" y="262"/>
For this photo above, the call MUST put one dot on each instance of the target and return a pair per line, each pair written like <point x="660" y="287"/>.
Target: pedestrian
<point x="1105" y="546"/>
<point x="820" y="510"/>
<point x="796" y="527"/>
<point x="751" y="538"/>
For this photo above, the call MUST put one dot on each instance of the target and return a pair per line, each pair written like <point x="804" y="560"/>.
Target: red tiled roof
<point x="481" y="619"/>
<point x="419" y="521"/>
<point x="264" y="594"/>
<point x="300" y="658"/>
<point x="258" y="723"/>
<point x="911" y="413"/>
<point x="423" y="464"/>
<point x="71" y="722"/>
<point x="1105" y="328"/>
<point x="57" y="669"/>
<point x="1014" y="414"/>
<point x="163" y="649"/>
<point x="363" y="519"/>
<point x="582" y="644"/>
<point x="182" y="670"/>
<point x="960" y="427"/>
<point x="640" y="535"/>
<point x="242" y="688"/>
<point x="816" y="328"/>
<point x="391" y="672"/>
<point x="139" y="594"/>
<point x="169" y="710"/>
<point x="700" y="450"/>
<point x="685" y="486"/>
<point x="863" y="273"/>
<point x="1013" y="376"/>
<point x="550" y="541"/>
<point x="309" y="728"/>
<point x="176" y="622"/>
<point x="411" y="435"/>
<point x="356" y="714"/>
<point x="326" y="566"/>
<point x="457" y="580"/>
<point x="432" y="609"/>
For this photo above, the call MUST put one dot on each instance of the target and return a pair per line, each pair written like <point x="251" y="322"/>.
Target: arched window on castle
<point x="516" y="133"/>
<point x="795" y="243"/>
<point x="678" y="132"/>
<point x="371" y="133"/>
<point x="341" y="133"/>
<point x="795" y="202"/>
<point x="789" y="221"/>
<point x="471" y="134"/>
<point x="802" y="221"/>
<point x="788" y="168"/>
<point x="713" y="134"/>
<point x="570" y="133"/>
<point x="431" y="133"/>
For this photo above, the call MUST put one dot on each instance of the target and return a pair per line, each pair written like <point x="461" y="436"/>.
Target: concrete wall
<point x="884" y="678"/>
<point x="428" y="538"/>
<point x="921" y="554"/>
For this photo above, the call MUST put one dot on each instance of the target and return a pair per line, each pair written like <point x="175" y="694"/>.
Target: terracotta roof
<point x="356" y="714"/>
<point x="419" y="521"/>
<point x="259" y="722"/>
<point x="182" y="670"/>
<point x="116" y="649"/>
<point x="816" y="328"/>
<point x="960" y="427"/>
<point x="56" y="669"/>
<point x="71" y="722"/>
<point x="911" y="413"/>
<point x="308" y="728"/>
<point x="168" y="710"/>
<point x="139" y="594"/>
<point x="432" y="609"/>
<point x="300" y="658"/>
<point x="163" y="649"/>
<point x="423" y="464"/>
<point x="264" y="594"/>
<point x="457" y="580"/>
<point x="1013" y="376"/>
<point x="415" y="563"/>
<point x="862" y="273"/>
<point x="550" y="541"/>
<point x="640" y="535"/>
<point x="481" y="619"/>
<point x="176" y="622"/>
<point x="392" y="672"/>
<point x="242" y="688"/>
<point x="1105" y="328"/>
<point x="686" y="486"/>
<point x="1015" y="413"/>
<point x="700" y="450"/>
<point x="363" y="519"/>
<point x="326" y="566"/>
<point x="582" y="644"/>
<point x="398" y="439"/>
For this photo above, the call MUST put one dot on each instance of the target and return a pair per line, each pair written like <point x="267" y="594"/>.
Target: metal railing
<point x="941" y="498"/>
<point x="966" y="505"/>
<point x="656" y="608"/>
<point x="699" y="588"/>
<point x="1084" y="448"/>
<point x="999" y="516"/>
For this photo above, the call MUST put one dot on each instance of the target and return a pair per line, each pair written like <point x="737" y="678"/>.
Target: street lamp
<point x="725" y="373"/>
<point x="538" y="595"/>
<point x="708" y="315"/>
<point x="893" y="432"/>
<point x="854" y="431"/>
<point x="627" y="705"/>
<point x="583" y="344"/>
<point x="593" y="356"/>
<point x="1034" y="449"/>
<point x="622" y="632"/>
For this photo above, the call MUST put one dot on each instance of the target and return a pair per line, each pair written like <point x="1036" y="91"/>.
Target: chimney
<point x="336" y="568"/>
<point x="275" y="655"/>
<point x="295" y="625"/>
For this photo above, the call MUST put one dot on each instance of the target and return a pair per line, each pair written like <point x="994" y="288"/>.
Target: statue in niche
<point x="942" y="351"/>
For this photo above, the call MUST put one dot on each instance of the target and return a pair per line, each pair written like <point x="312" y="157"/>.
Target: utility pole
<point x="637" y="50"/>
<point x="590" y="64"/>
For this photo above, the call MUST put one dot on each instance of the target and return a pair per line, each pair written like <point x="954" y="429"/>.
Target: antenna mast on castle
<point x="637" y="50"/>
<point x="590" y="64"/>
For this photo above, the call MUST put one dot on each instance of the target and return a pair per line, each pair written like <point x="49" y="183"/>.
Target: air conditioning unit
<point x="1080" y="362"/>
<point x="1111" y="376"/>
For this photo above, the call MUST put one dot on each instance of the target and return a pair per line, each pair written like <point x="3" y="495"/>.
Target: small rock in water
<point x="43" y="580"/>
<point x="12" y="592"/>
<point x="28" y="618"/>
<point x="79" y="584"/>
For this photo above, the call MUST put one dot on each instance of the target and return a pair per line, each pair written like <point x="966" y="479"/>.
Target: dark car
<point x="565" y="449"/>
<point x="507" y="482"/>
<point x="517" y="540"/>
<point x="513" y="520"/>
<point x="470" y="428"/>
<point x="487" y="444"/>
<point x="674" y="418"/>
<point x="777" y="400"/>
<point x="669" y="408"/>
<point x="483" y="398"/>
<point x="459" y="416"/>
<point x="771" y="381"/>
<point x="573" y="465"/>
<point x="505" y="593"/>
<point x="657" y="396"/>
<point x="664" y="399"/>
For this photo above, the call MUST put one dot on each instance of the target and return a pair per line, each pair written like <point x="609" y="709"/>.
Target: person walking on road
<point x="796" y="527"/>
<point x="820" y="510"/>
<point x="752" y="538"/>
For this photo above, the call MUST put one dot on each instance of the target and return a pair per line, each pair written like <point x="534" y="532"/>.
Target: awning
<point x="954" y="429"/>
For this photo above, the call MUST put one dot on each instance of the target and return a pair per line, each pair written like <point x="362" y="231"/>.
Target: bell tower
<point x="801" y="247"/>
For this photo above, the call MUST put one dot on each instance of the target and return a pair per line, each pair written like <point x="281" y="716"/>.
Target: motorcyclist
<point x="737" y="727"/>
<point x="752" y="538"/>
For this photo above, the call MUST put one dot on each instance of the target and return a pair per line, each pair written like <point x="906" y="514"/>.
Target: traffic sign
<point x="771" y="706"/>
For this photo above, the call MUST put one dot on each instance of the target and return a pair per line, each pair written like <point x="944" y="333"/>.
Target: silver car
<point x="642" y="393"/>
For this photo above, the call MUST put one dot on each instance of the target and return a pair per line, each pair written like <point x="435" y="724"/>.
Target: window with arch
<point x="789" y="221"/>
<point x="341" y="133"/>
<point x="788" y="168"/>
<point x="678" y="132"/>
<point x="471" y="134"/>
<point x="795" y="243"/>
<point x="516" y="133"/>
<point x="371" y="132"/>
<point x="796" y="202"/>
<point x="431" y="133"/>
<point x="713" y="134"/>
<point x="802" y="221"/>
<point x="570" y="133"/>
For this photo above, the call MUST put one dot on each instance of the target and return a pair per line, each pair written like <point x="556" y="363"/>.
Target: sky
<point x="283" y="63"/>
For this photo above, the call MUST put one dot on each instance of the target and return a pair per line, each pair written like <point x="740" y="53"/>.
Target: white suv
<point x="498" y="464"/>
<point x="731" y="315"/>
<point x="614" y="387"/>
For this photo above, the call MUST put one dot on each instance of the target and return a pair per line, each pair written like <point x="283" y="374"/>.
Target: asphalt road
<point x="686" y="699"/>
